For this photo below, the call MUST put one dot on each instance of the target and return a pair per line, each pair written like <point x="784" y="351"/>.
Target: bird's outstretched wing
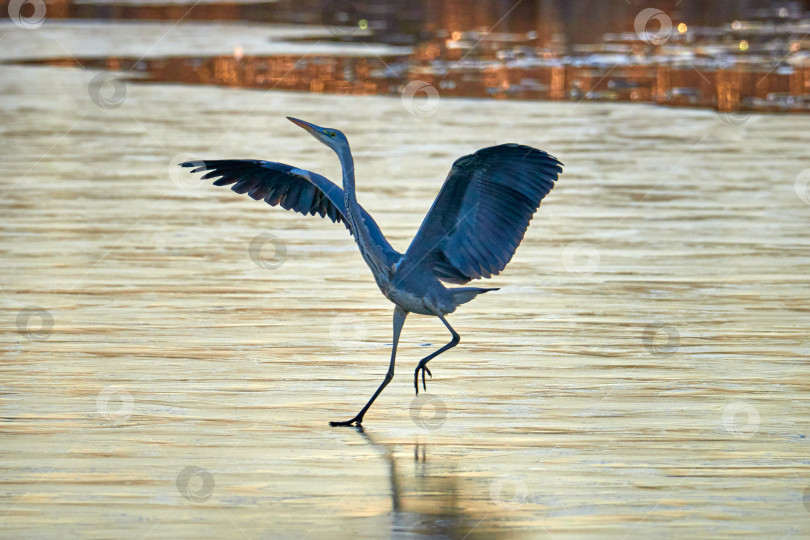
<point x="482" y="212"/>
<point x="291" y="188"/>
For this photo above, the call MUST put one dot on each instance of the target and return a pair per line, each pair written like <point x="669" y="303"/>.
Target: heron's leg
<point x="423" y="362"/>
<point x="399" y="320"/>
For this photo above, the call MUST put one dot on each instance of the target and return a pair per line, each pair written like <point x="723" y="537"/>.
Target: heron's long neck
<point x="347" y="164"/>
<point x="368" y="247"/>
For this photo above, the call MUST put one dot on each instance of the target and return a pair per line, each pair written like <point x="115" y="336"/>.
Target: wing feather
<point x="291" y="188"/>
<point x="482" y="212"/>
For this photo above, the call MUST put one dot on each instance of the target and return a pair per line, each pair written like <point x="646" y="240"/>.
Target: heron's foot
<point x="356" y="421"/>
<point x="424" y="369"/>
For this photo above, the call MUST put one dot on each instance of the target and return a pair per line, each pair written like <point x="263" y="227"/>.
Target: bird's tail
<point x="462" y="295"/>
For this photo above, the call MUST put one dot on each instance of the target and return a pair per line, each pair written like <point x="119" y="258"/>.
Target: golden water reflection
<point x="725" y="90"/>
<point x="562" y="380"/>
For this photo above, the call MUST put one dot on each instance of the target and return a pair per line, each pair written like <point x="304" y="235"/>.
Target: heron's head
<point x="332" y="138"/>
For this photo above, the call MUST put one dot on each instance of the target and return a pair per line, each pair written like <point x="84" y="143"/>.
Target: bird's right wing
<point x="291" y="188"/>
<point x="482" y="212"/>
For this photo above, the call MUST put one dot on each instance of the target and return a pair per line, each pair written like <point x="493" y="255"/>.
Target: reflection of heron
<point x="471" y="232"/>
<point x="432" y="500"/>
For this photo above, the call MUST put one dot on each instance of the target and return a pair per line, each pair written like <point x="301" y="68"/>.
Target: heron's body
<point x="471" y="231"/>
<point x="415" y="294"/>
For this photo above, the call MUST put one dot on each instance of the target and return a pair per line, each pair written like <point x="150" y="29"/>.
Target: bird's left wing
<point x="291" y="188"/>
<point x="277" y="184"/>
<point x="482" y="212"/>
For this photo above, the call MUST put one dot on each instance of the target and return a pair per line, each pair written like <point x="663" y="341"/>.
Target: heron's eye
<point x="332" y="134"/>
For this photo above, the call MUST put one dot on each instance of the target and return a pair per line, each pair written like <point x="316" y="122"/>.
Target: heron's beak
<point x="311" y="128"/>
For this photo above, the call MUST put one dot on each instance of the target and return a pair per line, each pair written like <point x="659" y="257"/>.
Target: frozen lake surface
<point x="642" y="371"/>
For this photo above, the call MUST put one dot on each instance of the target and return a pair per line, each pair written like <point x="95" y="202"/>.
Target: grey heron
<point x="472" y="230"/>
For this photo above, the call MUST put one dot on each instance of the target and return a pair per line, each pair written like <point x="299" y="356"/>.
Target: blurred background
<point x="727" y="54"/>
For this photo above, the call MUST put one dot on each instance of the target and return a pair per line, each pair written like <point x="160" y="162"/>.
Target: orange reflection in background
<point x="724" y="89"/>
<point x="500" y="50"/>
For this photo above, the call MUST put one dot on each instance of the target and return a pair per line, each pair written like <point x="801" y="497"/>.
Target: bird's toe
<point x="424" y="370"/>
<point x="353" y="422"/>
